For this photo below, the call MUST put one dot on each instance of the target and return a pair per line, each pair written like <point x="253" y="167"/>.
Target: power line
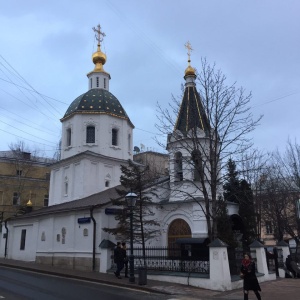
<point x="30" y="90"/>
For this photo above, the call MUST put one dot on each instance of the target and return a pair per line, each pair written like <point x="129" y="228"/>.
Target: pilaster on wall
<point x="219" y="266"/>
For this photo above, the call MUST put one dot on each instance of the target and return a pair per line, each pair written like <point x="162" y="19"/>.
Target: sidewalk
<point x="272" y="290"/>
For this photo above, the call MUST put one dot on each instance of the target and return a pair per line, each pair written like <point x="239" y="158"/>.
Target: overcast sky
<point x="46" y="48"/>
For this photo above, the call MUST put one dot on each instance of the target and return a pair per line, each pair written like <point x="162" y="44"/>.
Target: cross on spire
<point x="188" y="46"/>
<point x="98" y="34"/>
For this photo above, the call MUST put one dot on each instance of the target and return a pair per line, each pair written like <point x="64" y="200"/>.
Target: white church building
<point x="97" y="137"/>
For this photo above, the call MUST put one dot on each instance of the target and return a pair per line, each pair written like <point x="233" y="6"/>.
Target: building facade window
<point x="269" y="229"/>
<point x="97" y="81"/>
<point x="69" y="137"/>
<point x="90" y="134"/>
<point x="114" y="137"/>
<point x="19" y="172"/>
<point x="104" y="83"/>
<point x="16" y="199"/>
<point x="46" y="200"/>
<point x="91" y="83"/>
<point x="23" y="239"/>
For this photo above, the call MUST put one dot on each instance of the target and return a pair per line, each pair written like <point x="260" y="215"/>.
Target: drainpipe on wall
<point x="94" y="236"/>
<point x="5" y="224"/>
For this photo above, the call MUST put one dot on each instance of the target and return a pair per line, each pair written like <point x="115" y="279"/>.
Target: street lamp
<point x="131" y="200"/>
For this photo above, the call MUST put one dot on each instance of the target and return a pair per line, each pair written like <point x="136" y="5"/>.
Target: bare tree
<point x="226" y="111"/>
<point x="285" y="176"/>
<point x="278" y="199"/>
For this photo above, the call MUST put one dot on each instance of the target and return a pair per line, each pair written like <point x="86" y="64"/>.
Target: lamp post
<point x="131" y="200"/>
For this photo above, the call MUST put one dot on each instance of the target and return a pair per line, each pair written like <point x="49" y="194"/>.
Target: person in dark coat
<point x="288" y="264"/>
<point x="119" y="259"/>
<point x="124" y="248"/>
<point x="249" y="277"/>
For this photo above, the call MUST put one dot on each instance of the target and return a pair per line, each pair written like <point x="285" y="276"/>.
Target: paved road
<point x="279" y="289"/>
<point x="20" y="285"/>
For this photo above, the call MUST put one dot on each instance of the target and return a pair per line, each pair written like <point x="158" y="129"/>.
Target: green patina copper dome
<point x="96" y="101"/>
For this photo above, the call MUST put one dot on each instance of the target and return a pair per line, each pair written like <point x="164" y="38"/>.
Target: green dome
<point x="96" y="101"/>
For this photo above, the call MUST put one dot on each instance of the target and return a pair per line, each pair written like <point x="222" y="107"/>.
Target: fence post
<point x="219" y="272"/>
<point x="261" y="260"/>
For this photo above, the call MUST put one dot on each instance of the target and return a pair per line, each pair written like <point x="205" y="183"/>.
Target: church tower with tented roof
<point x="189" y="132"/>
<point x="96" y="138"/>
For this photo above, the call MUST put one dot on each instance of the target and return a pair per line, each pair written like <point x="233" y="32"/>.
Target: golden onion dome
<point x="190" y="71"/>
<point x="99" y="59"/>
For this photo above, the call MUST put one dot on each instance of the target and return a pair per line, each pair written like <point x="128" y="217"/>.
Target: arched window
<point x="114" y="137"/>
<point x="90" y="134"/>
<point x="197" y="160"/>
<point x="69" y="137"/>
<point x="178" y="167"/>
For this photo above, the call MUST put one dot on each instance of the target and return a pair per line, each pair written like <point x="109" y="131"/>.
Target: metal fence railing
<point x="295" y="253"/>
<point x="170" y="260"/>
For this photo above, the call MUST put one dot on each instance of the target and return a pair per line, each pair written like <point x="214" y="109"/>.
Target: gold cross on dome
<point x="98" y="33"/>
<point x="189" y="47"/>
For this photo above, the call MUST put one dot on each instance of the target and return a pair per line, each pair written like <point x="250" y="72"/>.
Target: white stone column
<point x="285" y="249"/>
<point x="261" y="262"/>
<point x="106" y="247"/>
<point x="285" y="252"/>
<point x="219" y="272"/>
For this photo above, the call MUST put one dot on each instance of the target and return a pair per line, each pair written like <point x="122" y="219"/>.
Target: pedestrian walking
<point x="119" y="259"/>
<point x="249" y="277"/>
<point x="124" y="248"/>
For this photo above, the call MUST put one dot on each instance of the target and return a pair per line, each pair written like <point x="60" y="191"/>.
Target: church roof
<point x="96" y="101"/>
<point x="191" y="114"/>
<point x="98" y="200"/>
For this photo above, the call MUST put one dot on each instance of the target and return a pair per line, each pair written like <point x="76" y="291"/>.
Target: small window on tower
<point x="114" y="134"/>
<point x="90" y="134"/>
<point x="104" y="83"/>
<point x="97" y="81"/>
<point x="129" y="142"/>
<point x="66" y="186"/>
<point x="91" y="83"/>
<point x="69" y="134"/>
